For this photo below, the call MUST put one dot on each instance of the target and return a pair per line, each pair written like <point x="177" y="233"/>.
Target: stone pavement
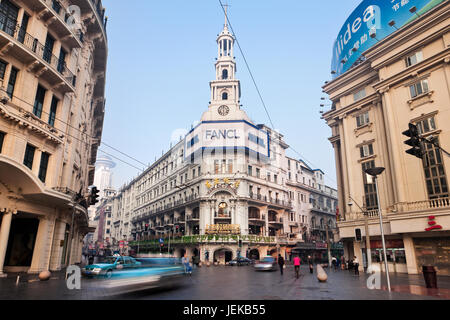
<point x="238" y="283"/>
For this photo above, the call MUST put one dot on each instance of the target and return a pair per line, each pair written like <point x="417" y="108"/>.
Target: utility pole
<point x="328" y="245"/>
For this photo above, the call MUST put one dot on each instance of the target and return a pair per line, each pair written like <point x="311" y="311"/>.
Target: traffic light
<point x="358" y="234"/>
<point x="94" y="196"/>
<point x="414" y="141"/>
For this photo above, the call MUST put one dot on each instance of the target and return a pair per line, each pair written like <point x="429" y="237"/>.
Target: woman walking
<point x="297" y="266"/>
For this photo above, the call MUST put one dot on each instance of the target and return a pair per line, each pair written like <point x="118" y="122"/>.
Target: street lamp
<point x="374" y="172"/>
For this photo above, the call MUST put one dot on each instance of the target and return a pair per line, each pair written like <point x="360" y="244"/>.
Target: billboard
<point x="369" y="23"/>
<point x="229" y="136"/>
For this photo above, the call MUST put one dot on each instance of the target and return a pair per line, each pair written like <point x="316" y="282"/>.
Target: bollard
<point x="321" y="274"/>
<point x="44" y="275"/>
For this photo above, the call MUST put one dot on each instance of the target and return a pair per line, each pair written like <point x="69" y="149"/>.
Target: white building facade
<point x="225" y="190"/>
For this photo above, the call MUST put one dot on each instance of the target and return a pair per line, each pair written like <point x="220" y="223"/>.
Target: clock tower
<point x="226" y="89"/>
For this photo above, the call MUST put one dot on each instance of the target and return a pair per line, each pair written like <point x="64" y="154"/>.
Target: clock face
<point x="224" y="110"/>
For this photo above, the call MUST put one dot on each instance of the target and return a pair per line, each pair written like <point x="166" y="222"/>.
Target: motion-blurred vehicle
<point x="108" y="265"/>
<point x="240" y="262"/>
<point x="266" y="264"/>
<point x="151" y="273"/>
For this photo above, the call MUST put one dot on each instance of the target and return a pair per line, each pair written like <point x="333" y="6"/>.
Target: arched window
<point x="225" y="96"/>
<point x="223" y="209"/>
<point x="224" y="74"/>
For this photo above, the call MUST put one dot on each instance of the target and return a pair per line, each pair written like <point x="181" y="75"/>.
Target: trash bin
<point x="429" y="273"/>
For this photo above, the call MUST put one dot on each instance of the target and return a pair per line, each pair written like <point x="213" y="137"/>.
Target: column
<point x="42" y="247"/>
<point x="4" y="235"/>
<point x="358" y="253"/>
<point x="411" y="261"/>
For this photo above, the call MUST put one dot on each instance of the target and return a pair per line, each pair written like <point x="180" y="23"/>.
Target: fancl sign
<point x="227" y="136"/>
<point x="371" y="22"/>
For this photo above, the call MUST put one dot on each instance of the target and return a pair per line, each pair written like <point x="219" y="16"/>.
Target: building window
<point x="362" y="119"/>
<point x="414" y="59"/>
<point x="275" y="178"/>
<point x="250" y="170"/>
<point x="43" y="166"/>
<point x="216" y="166"/>
<point x="268" y="176"/>
<point x="12" y="82"/>
<point x="224" y="74"/>
<point x="435" y="177"/>
<point x="230" y="166"/>
<point x="359" y="95"/>
<point x="370" y="190"/>
<point x="29" y="156"/>
<point x="224" y="96"/>
<point x="419" y="88"/>
<point x="53" y="107"/>
<point x="48" y="49"/>
<point x="366" y="150"/>
<point x="2" y="69"/>
<point x="2" y="138"/>
<point x="426" y="125"/>
<point x="39" y="101"/>
<point x="258" y="172"/>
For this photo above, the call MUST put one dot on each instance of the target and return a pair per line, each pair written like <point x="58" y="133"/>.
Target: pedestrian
<point x="297" y="266"/>
<point x="311" y="264"/>
<point x="334" y="262"/>
<point x="356" y="265"/>
<point x="281" y="263"/>
<point x="187" y="266"/>
<point x="350" y="265"/>
<point x="343" y="263"/>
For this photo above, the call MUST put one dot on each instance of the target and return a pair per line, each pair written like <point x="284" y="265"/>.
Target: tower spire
<point x="226" y="14"/>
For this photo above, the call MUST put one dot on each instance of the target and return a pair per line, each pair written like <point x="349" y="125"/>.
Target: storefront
<point x="395" y="253"/>
<point x="433" y="252"/>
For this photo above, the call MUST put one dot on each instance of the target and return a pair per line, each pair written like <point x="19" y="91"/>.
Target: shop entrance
<point x="22" y="238"/>
<point x="253" y="254"/>
<point x="222" y="256"/>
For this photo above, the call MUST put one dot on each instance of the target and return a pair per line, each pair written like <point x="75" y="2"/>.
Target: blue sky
<point x="161" y="59"/>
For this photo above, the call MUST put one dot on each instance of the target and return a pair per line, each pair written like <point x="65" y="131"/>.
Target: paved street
<point x="240" y="283"/>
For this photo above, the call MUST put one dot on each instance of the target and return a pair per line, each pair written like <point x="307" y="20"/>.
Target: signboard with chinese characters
<point x="225" y="183"/>
<point x="223" y="229"/>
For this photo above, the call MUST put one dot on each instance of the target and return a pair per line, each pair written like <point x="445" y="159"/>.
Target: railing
<point x="350" y="216"/>
<point x="423" y="205"/>
<point x="257" y="217"/>
<point x="275" y="220"/>
<point x="191" y="217"/>
<point x="11" y="28"/>
<point x="64" y="14"/>
<point x="270" y="200"/>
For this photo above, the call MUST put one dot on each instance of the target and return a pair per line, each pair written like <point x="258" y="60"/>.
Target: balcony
<point x="191" y="218"/>
<point x="433" y="204"/>
<point x="24" y="47"/>
<point x="276" y="221"/>
<point x="53" y="14"/>
<point x="277" y="203"/>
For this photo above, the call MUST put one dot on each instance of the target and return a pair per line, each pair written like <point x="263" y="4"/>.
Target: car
<point x="241" y="261"/>
<point x="266" y="264"/>
<point x="108" y="265"/>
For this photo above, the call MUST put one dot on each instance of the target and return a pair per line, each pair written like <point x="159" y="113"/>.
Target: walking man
<point x="281" y="263"/>
<point x="356" y="265"/>
<point x="297" y="266"/>
<point x="334" y="262"/>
